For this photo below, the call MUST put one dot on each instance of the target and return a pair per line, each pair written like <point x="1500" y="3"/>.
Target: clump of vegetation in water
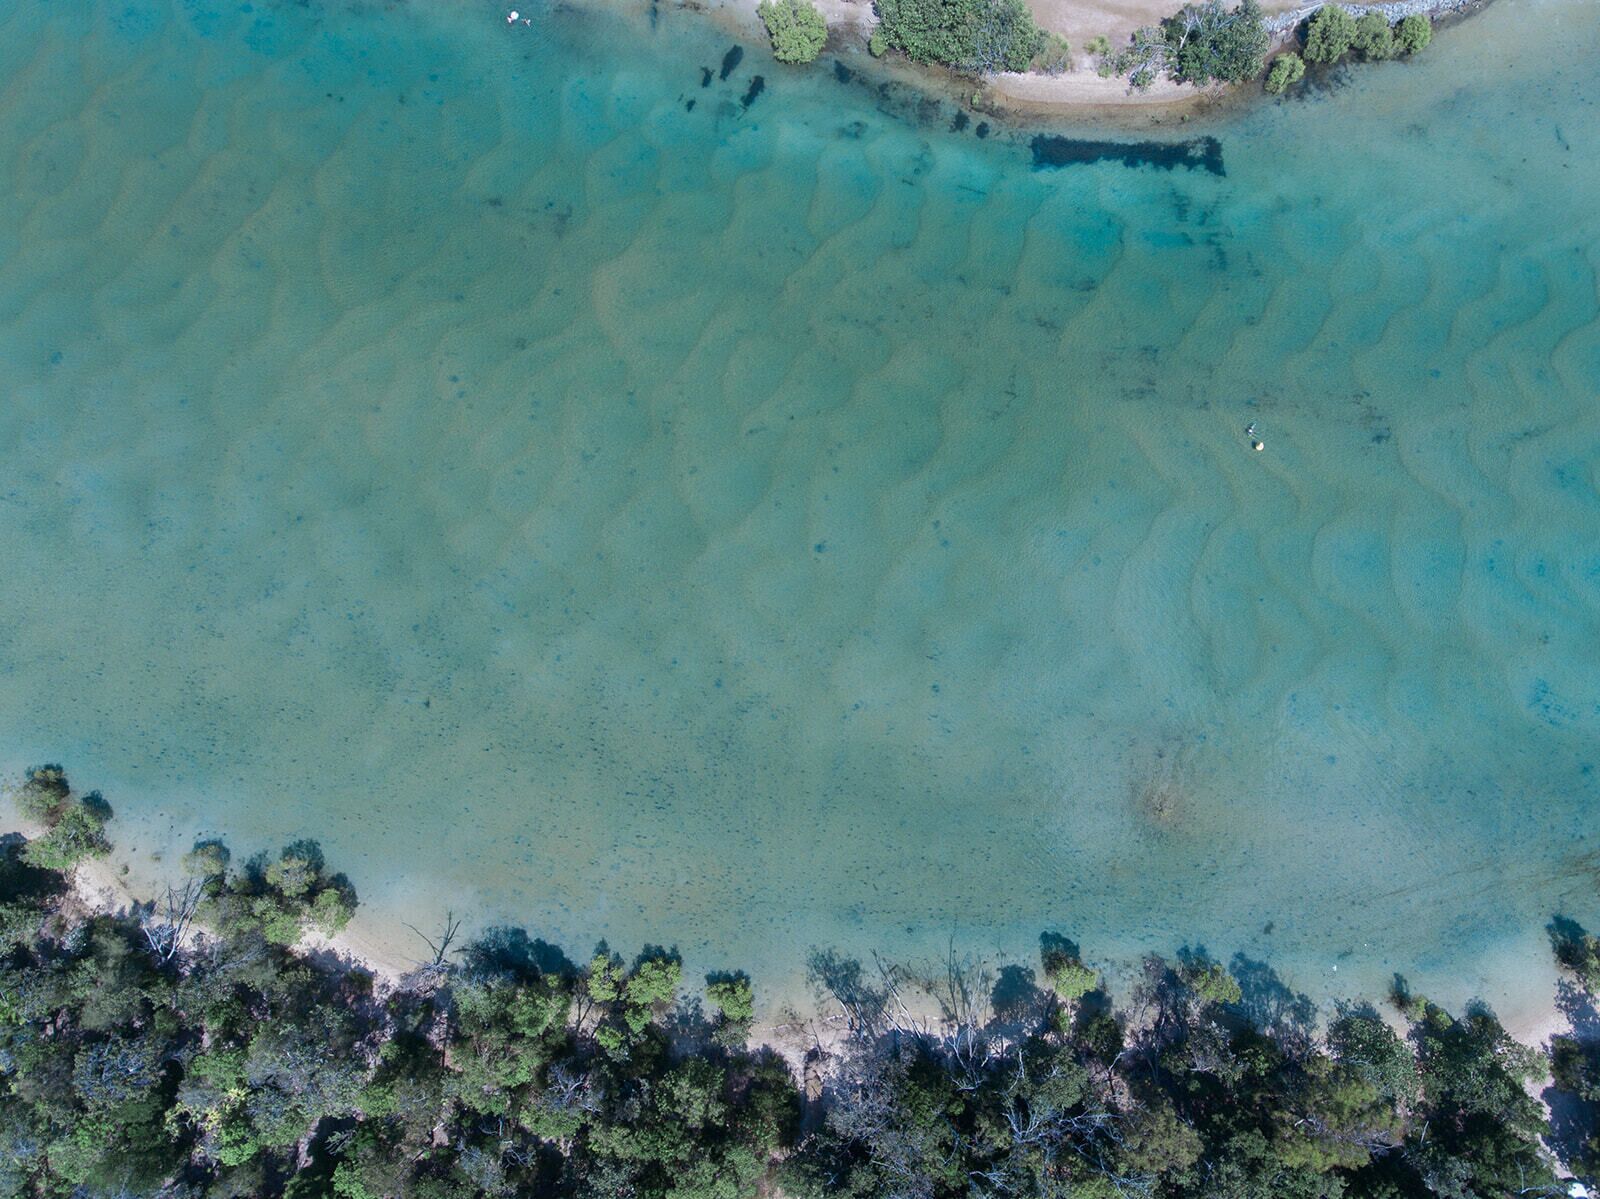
<point x="226" y="1063"/>
<point x="1287" y="70"/>
<point x="981" y="36"/>
<point x="1201" y="43"/>
<point x="796" y="28"/>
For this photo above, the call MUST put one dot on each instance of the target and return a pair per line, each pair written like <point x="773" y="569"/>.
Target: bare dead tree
<point x="164" y="931"/>
<point x="442" y="946"/>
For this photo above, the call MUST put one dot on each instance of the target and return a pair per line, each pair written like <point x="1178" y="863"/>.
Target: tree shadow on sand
<point x="1017" y="1001"/>
<point x="1267" y="1002"/>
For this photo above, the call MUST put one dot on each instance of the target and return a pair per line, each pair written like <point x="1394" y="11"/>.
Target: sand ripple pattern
<point x="761" y="525"/>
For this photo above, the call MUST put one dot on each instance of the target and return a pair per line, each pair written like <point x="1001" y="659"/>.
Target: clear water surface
<point x="582" y="498"/>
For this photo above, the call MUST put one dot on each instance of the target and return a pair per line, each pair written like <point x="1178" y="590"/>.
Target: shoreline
<point x="558" y="1058"/>
<point x="1079" y="94"/>
<point x="795" y="1024"/>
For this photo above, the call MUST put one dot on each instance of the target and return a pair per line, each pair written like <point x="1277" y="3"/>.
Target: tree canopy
<point x="981" y="36"/>
<point x="1330" y="34"/>
<point x="1211" y="43"/>
<point x="1287" y="70"/>
<point x="796" y="28"/>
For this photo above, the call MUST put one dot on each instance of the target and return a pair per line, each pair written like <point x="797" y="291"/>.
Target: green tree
<point x="732" y="996"/>
<point x="279" y="900"/>
<point x="77" y="831"/>
<point x="796" y="28"/>
<point x="1211" y="983"/>
<point x="1335" y="1118"/>
<point x="652" y="985"/>
<point x="1209" y="42"/>
<point x="43" y="790"/>
<point x="1064" y="970"/>
<point x="1413" y="33"/>
<point x="1374" y="38"/>
<point x="208" y="860"/>
<point x="1479" y="1129"/>
<point x="1160" y="1144"/>
<point x="1287" y="70"/>
<point x="733" y="999"/>
<point x="507" y="1034"/>
<point x="1363" y="1041"/>
<point x="330" y="910"/>
<point x="1330" y="34"/>
<point x="297" y="870"/>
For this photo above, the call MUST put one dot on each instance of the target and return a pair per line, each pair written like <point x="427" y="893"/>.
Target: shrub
<point x="1374" y="39"/>
<point x="1287" y="70"/>
<point x="1055" y="54"/>
<point x="1148" y="52"/>
<point x="1330" y="34"/>
<point x="969" y="35"/>
<point x="796" y="28"/>
<point x="1413" y="34"/>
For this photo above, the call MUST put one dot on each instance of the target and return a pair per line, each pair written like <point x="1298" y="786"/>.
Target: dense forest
<point x="197" y="1045"/>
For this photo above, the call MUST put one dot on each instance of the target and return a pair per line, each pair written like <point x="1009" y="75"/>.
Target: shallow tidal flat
<point x="627" y="507"/>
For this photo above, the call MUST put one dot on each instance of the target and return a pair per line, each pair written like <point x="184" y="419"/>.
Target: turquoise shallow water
<point x="761" y="526"/>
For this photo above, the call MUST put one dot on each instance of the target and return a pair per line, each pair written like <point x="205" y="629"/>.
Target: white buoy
<point x="511" y="18"/>
<point x="1258" y="446"/>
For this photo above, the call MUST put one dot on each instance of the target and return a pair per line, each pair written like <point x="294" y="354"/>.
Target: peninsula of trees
<point x="1204" y="42"/>
<point x="188" y="1048"/>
